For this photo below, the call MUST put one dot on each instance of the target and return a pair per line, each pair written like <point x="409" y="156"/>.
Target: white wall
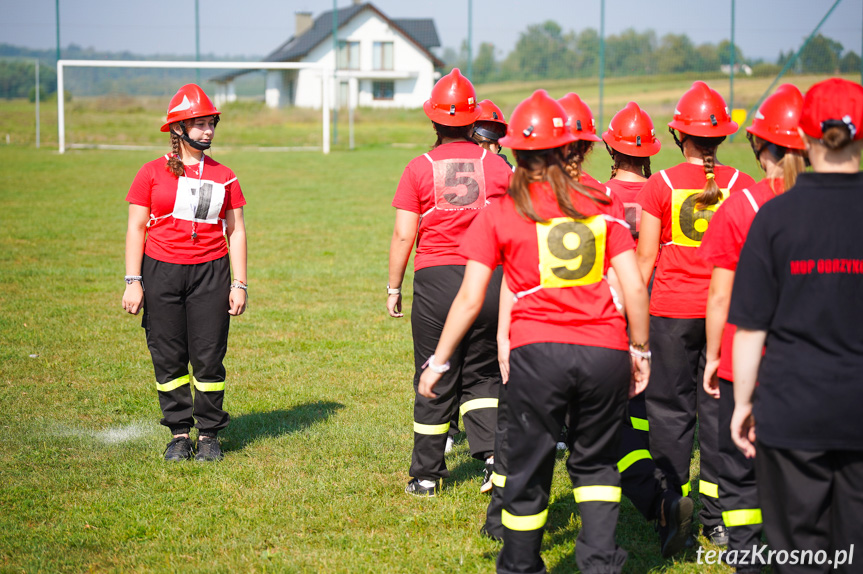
<point x="367" y="28"/>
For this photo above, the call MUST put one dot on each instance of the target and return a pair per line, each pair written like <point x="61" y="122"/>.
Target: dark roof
<point x="421" y="30"/>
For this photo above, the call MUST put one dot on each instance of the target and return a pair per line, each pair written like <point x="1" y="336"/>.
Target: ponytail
<point x="707" y="148"/>
<point x="793" y="165"/>
<point x="175" y="164"/>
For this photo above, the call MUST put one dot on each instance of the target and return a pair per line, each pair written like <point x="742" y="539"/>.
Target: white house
<point x="382" y="62"/>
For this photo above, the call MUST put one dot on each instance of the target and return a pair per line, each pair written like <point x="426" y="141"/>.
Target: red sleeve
<point x="407" y="195"/>
<point x="653" y="195"/>
<point x="234" y="197"/>
<point x="720" y="245"/>
<point x="743" y="181"/>
<point x="142" y="185"/>
<point x="480" y="240"/>
<point x="619" y="239"/>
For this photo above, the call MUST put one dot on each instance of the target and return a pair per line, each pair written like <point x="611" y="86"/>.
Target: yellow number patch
<point x="688" y="223"/>
<point x="571" y="252"/>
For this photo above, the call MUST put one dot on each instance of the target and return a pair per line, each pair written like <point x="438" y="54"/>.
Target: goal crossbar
<point x="61" y="64"/>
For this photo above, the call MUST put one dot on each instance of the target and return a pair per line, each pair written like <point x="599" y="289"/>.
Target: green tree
<point x="484" y="65"/>
<point x="585" y="47"/>
<point x="674" y="54"/>
<point x="541" y="52"/>
<point x="630" y="53"/>
<point x="821" y="55"/>
<point x="724" y="51"/>
<point x="850" y="63"/>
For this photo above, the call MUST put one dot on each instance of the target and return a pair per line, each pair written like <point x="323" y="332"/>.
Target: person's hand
<point x="133" y="297"/>
<point x="394" y="305"/>
<point x="640" y="374"/>
<point x="428" y="380"/>
<point x="237" y="301"/>
<point x="743" y="429"/>
<point x="503" y="359"/>
<point x="711" y="378"/>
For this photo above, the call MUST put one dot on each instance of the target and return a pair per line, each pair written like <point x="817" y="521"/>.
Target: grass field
<point x="318" y="374"/>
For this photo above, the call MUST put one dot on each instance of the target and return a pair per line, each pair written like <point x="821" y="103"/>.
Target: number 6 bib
<point x="688" y="223"/>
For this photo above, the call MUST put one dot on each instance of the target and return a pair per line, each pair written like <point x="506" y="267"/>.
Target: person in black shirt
<point x="798" y="292"/>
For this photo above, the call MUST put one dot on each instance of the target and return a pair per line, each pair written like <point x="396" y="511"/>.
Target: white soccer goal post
<point x="327" y="83"/>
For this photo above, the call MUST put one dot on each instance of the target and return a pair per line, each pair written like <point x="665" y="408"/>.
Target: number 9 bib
<point x="688" y="223"/>
<point x="571" y="252"/>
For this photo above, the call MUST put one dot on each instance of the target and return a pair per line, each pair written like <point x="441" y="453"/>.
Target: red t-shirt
<point x="448" y="187"/>
<point x="724" y="240"/>
<point x="626" y="192"/>
<point x="682" y="277"/>
<point x="195" y="203"/>
<point x="560" y="264"/>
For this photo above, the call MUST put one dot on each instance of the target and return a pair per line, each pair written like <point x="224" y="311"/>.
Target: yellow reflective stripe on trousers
<point x="420" y="428"/>
<point x="632" y="458"/>
<point x="171" y="385"/>
<point x="597" y="494"/>
<point x="208" y="387"/>
<point x="524" y="523"/>
<point x="710" y="489"/>
<point x="640" y="424"/>
<point x="478" y="404"/>
<point x="498" y="480"/>
<point x="686" y="488"/>
<point x="742" y="517"/>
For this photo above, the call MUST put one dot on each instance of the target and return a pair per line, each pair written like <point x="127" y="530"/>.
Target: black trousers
<point x="471" y="385"/>
<point x="738" y="493"/>
<point x="547" y="381"/>
<point x="675" y="399"/>
<point x="493" y="524"/>
<point x="639" y="477"/>
<point x="186" y="321"/>
<point x="812" y="500"/>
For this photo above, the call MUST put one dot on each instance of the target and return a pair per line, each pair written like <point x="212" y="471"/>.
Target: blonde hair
<point x="712" y="194"/>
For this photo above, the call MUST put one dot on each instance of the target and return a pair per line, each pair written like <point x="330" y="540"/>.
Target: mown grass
<point x="318" y="376"/>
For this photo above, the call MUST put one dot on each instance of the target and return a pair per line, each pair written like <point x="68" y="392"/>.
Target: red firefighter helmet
<point x="702" y="112"/>
<point x="579" y="118"/>
<point x="778" y="116"/>
<point x="539" y="122"/>
<point x="490" y="113"/>
<point x="189" y="102"/>
<point x="452" y="101"/>
<point x="631" y="131"/>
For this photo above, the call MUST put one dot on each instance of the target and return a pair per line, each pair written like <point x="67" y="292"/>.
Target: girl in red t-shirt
<point x="439" y="195"/>
<point x="178" y="270"/>
<point x="677" y="205"/>
<point x="569" y="344"/>
<point x="778" y="149"/>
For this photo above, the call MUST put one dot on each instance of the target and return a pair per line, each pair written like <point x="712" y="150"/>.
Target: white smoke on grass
<point x="109" y="435"/>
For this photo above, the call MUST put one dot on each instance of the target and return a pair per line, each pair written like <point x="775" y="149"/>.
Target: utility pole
<point x="335" y="77"/>
<point x="470" y="40"/>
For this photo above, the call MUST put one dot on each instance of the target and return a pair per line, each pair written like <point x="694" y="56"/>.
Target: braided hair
<point x="175" y="164"/>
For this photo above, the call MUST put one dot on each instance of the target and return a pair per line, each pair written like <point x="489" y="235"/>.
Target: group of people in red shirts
<point x="547" y="304"/>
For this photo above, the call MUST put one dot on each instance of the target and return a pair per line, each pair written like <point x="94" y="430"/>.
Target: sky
<point x="256" y="27"/>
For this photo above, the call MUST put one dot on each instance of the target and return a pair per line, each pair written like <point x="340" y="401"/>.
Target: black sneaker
<point x="208" y="449"/>
<point x="677" y="512"/>
<point x="180" y="448"/>
<point x="718" y="535"/>
<point x="486" y="484"/>
<point x="419" y="487"/>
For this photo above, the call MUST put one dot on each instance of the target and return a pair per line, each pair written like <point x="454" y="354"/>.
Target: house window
<point x="349" y="55"/>
<point x="383" y="55"/>
<point x="383" y="90"/>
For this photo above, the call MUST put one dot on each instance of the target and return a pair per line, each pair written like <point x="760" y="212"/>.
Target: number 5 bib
<point x="459" y="183"/>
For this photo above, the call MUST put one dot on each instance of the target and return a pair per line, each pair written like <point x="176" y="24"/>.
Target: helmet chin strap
<point x="195" y="144"/>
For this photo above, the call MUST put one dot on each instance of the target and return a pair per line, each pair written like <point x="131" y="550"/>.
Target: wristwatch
<point x="132" y="278"/>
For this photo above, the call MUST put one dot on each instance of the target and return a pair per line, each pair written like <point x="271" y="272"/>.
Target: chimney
<point x="303" y="23"/>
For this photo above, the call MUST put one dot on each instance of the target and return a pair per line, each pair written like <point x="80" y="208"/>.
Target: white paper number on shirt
<point x="198" y="200"/>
